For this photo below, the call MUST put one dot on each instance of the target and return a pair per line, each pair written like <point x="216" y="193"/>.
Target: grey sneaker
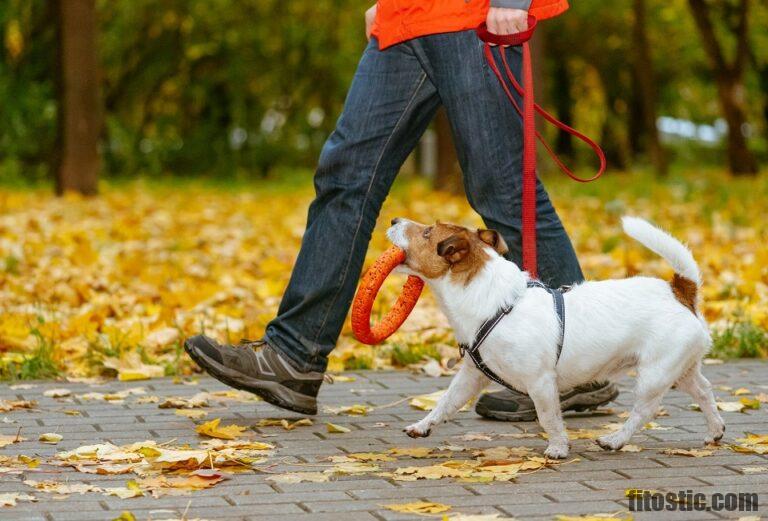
<point x="256" y="367"/>
<point x="515" y="406"/>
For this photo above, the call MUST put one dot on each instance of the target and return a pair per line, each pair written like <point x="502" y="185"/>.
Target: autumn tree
<point x="77" y="160"/>
<point x="729" y="76"/>
<point x="645" y="84"/>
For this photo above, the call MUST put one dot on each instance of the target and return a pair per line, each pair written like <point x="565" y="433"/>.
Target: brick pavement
<point x="594" y="484"/>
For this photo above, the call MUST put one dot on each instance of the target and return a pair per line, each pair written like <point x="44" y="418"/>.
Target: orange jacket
<point x="400" y="20"/>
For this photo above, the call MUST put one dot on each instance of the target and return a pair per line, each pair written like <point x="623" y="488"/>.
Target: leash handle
<point x="507" y="39"/>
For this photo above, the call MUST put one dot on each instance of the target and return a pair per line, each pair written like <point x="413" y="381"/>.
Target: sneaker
<point x="507" y="405"/>
<point x="256" y="367"/>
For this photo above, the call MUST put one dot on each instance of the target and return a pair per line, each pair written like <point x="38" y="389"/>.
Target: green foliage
<point x="405" y="355"/>
<point x="236" y="89"/>
<point x="39" y="364"/>
<point x="740" y="340"/>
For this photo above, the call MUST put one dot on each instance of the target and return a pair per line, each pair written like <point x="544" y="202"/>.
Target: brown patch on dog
<point x="435" y="250"/>
<point x="685" y="291"/>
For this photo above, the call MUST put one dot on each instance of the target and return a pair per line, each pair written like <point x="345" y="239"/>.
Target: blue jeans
<point x="393" y="98"/>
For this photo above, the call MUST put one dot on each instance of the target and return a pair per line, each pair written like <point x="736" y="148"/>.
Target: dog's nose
<point x="395" y="221"/>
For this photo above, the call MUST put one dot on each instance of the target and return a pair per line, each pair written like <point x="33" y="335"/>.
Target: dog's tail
<point x="687" y="275"/>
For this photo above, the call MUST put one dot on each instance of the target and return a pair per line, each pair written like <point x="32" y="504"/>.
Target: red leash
<point x="529" y="131"/>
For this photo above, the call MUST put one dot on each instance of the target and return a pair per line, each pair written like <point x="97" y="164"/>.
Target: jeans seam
<point x="365" y="202"/>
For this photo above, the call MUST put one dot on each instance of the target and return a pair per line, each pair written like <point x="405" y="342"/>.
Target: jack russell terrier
<point x="640" y="323"/>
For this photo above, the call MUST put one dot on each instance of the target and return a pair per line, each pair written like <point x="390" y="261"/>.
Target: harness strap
<point x="486" y="327"/>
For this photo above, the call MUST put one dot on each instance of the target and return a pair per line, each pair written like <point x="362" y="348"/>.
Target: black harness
<point x="485" y="329"/>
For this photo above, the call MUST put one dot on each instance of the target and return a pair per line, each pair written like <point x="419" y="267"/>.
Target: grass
<point x="37" y="365"/>
<point x="740" y="340"/>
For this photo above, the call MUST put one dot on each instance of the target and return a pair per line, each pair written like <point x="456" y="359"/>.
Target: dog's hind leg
<point x="546" y="398"/>
<point x="651" y="385"/>
<point x="695" y="384"/>
<point x="467" y="383"/>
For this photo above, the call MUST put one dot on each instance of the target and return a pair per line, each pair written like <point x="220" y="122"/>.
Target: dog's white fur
<point x="610" y="327"/>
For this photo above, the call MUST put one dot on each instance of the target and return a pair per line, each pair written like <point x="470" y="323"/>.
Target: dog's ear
<point x="454" y="248"/>
<point x="493" y="239"/>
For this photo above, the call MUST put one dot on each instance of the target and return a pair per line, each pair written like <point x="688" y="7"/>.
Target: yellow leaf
<point x="413" y="452"/>
<point x="630" y="448"/>
<point x="730" y="406"/>
<point x="285" y="424"/>
<point x="336" y="429"/>
<point x="212" y="429"/>
<point x="299" y="477"/>
<point x="7" y="440"/>
<point x="352" y="410"/>
<point x="418" y="507"/>
<point x="194" y="414"/>
<point x="750" y="403"/>
<point x="125" y="516"/>
<point x="51" y="437"/>
<point x="10" y="499"/>
<point x="741" y="391"/>
<point x="693" y="453"/>
<point x="427" y="402"/>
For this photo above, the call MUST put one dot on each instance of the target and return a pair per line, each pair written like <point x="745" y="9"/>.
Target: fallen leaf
<point x="630" y="448"/>
<point x="419" y="507"/>
<point x="14" y="405"/>
<point x="351" y="410"/>
<point x="131" y="368"/>
<point x="412" y="452"/>
<point x="175" y="402"/>
<point x="212" y="429"/>
<point x="194" y="414"/>
<point x="693" y="453"/>
<point x="57" y="393"/>
<point x="125" y="516"/>
<point x="336" y="429"/>
<point x="750" y="403"/>
<point x="730" y="406"/>
<point x="51" y="437"/>
<point x="754" y="470"/>
<point x="10" y="499"/>
<point x="741" y="391"/>
<point x="55" y="487"/>
<point x="131" y="489"/>
<point x="285" y="424"/>
<point x="299" y="477"/>
<point x="427" y="402"/>
<point x="7" y="440"/>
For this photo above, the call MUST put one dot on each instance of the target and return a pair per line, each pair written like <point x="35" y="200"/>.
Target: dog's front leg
<point x="467" y="383"/>
<point x="546" y="398"/>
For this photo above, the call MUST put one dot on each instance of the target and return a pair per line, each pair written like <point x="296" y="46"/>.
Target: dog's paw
<point x="611" y="441"/>
<point x="557" y="451"/>
<point x="417" y="431"/>
<point x="715" y="435"/>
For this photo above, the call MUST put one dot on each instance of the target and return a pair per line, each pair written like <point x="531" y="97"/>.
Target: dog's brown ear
<point x="454" y="248"/>
<point x="494" y="240"/>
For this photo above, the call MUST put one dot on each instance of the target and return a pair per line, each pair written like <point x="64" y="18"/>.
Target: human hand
<point x="370" y="16"/>
<point x="501" y="20"/>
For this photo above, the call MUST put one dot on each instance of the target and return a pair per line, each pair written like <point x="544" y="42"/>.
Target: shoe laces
<point x="253" y="344"/>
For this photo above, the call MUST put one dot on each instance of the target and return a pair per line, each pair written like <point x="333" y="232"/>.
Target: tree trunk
<point x="448" y="176"/>
<point x="77" y="161"/>
<point x="563" y="102"/>
<point x="646" y="87"/>
<point x="729" y="78"/>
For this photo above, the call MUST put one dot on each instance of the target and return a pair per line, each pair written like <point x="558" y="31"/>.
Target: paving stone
<point x="594" y="483"/>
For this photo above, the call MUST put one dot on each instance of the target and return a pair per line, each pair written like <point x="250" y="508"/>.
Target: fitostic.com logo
<point x="690" y="501"/>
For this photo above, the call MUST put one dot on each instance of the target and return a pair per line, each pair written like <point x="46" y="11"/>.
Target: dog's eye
<point x="427" y="232"/>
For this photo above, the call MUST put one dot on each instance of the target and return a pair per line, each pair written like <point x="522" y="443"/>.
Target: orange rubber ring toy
<point x="366" y="294"/>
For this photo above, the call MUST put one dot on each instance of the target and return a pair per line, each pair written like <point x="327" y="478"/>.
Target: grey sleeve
<point x="512" y="4"/>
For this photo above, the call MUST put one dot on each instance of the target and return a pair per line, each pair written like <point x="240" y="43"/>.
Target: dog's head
<point x="440" y="249"/>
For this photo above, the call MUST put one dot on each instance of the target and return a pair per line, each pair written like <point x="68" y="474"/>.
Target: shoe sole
<point x="579" y="402"/>
<point x="271" y="392"/>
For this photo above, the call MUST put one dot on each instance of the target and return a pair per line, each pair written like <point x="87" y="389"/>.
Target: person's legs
<point x="389" y="105"/>
<point x="489" y="140"/>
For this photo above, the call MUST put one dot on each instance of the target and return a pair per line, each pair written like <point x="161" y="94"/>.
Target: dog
<point x="641" y="323"/>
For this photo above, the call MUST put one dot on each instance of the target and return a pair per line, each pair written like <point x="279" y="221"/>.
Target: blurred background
<point x="249" y="88"/>
<point x="156" y="162"/>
